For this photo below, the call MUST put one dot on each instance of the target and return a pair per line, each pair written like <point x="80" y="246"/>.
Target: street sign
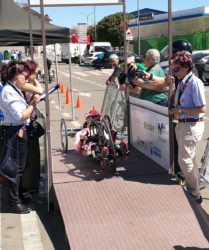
<point x="129" y="35"/>
<point x="82" y="32"/>
<point x="36" y="3"/>
<point x="147" y="16"/>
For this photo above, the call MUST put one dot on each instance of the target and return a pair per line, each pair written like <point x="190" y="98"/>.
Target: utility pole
<point x="30" y="30"/>
<point x="138" y="26"/>
<point x="95" y="27"/>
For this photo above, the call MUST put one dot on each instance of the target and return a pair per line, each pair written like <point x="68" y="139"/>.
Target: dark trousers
<point x="31" y="175"/>
<point x="13" y="154"/>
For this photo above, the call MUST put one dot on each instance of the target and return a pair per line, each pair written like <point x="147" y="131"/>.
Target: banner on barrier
<point x="150" y="134"/>
<point x="36" y="3"/>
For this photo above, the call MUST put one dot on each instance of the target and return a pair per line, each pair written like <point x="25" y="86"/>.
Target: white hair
<point x="153" y="55"/>
<point x="113" y="57"/>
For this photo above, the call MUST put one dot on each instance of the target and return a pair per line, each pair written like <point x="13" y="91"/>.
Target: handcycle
<point x="100" y="143"/>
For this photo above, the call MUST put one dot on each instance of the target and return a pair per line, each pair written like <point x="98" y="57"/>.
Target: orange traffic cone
<point x="67" y="99"/>
<point x="78" y="104"/>
<point x="62" y="89"/>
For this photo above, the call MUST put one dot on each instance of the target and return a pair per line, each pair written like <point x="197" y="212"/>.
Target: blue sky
<point x="69" y="16"/>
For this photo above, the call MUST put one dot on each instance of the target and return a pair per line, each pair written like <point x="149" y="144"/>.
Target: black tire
<point x="109" y="167"/>
<point x="107" y="119"/>
<point x="64" y="135"/>
<point x="107" y="139"/>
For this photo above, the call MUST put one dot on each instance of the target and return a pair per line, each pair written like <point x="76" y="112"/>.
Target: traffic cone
<point x="67" y="99"/>
<point x="60" y="85"/>
<point x="78" y="104"/>
<point x="62" y="89"/>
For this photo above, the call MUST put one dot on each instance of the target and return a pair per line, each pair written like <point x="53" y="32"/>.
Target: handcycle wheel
<point x="108" y="165"/>
<point x="64" y="135"/>
<point x="106" y="141"/>
<point x="107" y="119"/>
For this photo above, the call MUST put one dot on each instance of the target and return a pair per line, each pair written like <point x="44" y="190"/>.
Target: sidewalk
<point x="138" y="208"/>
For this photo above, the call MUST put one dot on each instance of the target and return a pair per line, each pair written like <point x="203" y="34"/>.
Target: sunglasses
<point x="176" y="69"/>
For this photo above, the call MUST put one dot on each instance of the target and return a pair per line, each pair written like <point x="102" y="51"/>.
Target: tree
<point x="110" y="29"/>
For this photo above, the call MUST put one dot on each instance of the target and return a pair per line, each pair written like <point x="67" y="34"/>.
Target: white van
<point x="99" y="47"/>
<point x="81" y="47"/>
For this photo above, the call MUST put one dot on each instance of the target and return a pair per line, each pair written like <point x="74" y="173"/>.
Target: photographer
<point x="152" y="91"/>
<point x="133" y="69"/>
<point x="114" y="61"/>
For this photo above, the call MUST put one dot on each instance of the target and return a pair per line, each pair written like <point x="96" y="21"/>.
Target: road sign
<point x="129" y="35"/>
<point x="82" y="32"/>
<point x="75" y="2"/>
<point x="146" y="16"/>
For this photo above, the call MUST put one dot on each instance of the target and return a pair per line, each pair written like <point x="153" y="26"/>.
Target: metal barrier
<point x="114" y="105"/>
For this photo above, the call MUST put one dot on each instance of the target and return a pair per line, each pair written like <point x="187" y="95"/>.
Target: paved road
<point x="40" y="230"/>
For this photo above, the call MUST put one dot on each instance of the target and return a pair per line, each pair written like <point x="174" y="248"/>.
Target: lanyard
<point x="182" y="89"/>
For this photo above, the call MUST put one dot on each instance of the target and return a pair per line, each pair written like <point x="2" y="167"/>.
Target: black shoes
<point x="19" y="209"/>
<point x="26" y="198"/>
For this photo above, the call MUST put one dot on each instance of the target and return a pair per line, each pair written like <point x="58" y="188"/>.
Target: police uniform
<point x="13" y="139"/>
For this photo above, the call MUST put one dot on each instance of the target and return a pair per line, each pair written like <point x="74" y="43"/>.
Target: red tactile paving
<point x="128" y="211"/>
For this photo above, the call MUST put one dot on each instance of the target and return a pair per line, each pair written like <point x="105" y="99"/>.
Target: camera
<point x="131" y="74"/>
<point x="134" y="72"/>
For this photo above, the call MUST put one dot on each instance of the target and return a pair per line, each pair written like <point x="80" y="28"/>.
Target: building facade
<point x="191" y="24"/>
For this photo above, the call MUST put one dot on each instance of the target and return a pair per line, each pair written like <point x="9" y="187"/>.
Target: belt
<point x="191" y="120"/>
<point x="11" y="124"/>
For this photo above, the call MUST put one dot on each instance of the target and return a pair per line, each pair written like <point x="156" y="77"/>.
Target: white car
<point x="88" y="59"/>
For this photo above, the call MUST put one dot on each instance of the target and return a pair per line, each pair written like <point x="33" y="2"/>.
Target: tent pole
<point x="171" y="129"/>
<point x="47" y="107"/>
<point x="57" y="74"/>
<point x="30" y="29"/>
<point x="70" y="83"/>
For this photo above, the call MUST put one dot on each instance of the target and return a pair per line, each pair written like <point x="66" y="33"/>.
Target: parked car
<point x="200" y="59"/>
<point x="88" y="59"/>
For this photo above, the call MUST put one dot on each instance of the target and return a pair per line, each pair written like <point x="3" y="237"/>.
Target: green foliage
<point x="110" y="29"/>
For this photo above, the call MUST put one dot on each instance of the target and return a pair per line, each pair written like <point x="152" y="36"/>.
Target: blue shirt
<point x="193" y="95"/>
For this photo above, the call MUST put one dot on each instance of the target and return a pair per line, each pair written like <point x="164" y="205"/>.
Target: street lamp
<point x="95" y="27"/>
<point x="87" y="18"/>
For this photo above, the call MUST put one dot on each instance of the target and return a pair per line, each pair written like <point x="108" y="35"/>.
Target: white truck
<point x="81" y="47"/>
<point x="84" y="49"/>
<point x="99" y="47"/>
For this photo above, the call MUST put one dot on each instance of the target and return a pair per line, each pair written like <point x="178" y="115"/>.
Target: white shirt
<point x="12" y="105"/>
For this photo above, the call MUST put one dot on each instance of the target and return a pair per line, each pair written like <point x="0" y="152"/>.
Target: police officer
<point x="13" y="137"/>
